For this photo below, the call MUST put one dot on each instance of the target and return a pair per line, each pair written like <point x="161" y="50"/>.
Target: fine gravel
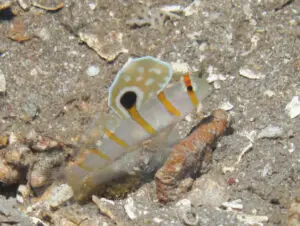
<point x="56" y="63"/>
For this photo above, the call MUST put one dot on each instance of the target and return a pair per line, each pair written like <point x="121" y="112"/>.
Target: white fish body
<point x="138" y="116"/>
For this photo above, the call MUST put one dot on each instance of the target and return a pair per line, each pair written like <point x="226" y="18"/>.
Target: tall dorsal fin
<point x="139" y="80"/>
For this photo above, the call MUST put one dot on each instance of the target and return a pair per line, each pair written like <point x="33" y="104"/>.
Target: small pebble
<point x="38" y="179"/>
<point x="8" y="174"/>
<point x="31" y="110"/>
<point x="93" y="70"/>
<point x="293" y="107"/>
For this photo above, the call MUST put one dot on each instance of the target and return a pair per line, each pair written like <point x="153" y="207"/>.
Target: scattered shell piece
<point x="24" y="4"/>
<point x="93" y="70"/>
<point x="18" y="31"/>
<point x="49" y="5"/>
<point x="157" y="220"/>
<point x="233" y="205"/>
<point x="23" y="193"/>
<point x="108" y="208"/>
<point x="93" y="5"/>
<point x="267" y="170"/>
<point x="217" y="84"/>
<point x="252" y="219"/>
<point x="185" y="212"/>
<point x="12" y="138"/>
<point x="180" y="68"/>
<point x="214" y="77"/>
<point x="249" y="135"/>
<point x="108" y="47"/>
<point x="45" y="35"/>
<point x="294" y="211"/>
<point x="270" y="132"/>
<point x="243" y="152"/>
<point x="131" y="209"/>
<point x="226" y="106"/>
<point x="186" y="203"/>
<point x="38" y="221"/>
<point x="248" y="73"/>
<point x="44" y="143"/>
<point x="208" y="191"/>
<point x="227" y="169"/>
<point x="293" y="107"/>
<point x="192" y="8"/>
<point x="66" y="222"/>
<point x="55" y="196"/>
<point x="172" y="10"/>
<point x="291" y="147"/>
<point x="30" y="111"/>
<point x="2" y="83"/>
<point x="269" y="93"/>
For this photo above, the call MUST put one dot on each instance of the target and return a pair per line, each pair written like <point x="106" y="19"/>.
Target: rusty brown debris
<point x="188" y="157"/>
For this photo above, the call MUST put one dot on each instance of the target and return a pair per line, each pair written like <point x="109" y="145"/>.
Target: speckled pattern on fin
<point x="145" y="76"/>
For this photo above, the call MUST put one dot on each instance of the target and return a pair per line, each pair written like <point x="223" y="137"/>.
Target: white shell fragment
<point x="270" y="132"/>
<point x="290" y="146"/>
<point x="293" y="107"/>
<point x="269" y="93"/>
<point x="24" y="4"/>
<point x="57" y="195"/>
<point x="235" y="204"/>
<point x="93" y="70"/>
<point x="192" y="8"/>
<point x="226" y="106"/>
<point x="107" y="47"/>
<point x="172" y="10"/>
<point x="213" y="76"/>
<point x="248" y="73"/>
<point x="130" y="209"/>
<point x="252" y="219"/>
<point x="2" y="83"/>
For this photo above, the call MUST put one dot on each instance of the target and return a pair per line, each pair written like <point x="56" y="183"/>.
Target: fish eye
<point x="128" y="100"/>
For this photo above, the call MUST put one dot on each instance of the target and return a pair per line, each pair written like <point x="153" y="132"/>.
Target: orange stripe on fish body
<point x="168" y="105"/>
<point x="190" y="89"/>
